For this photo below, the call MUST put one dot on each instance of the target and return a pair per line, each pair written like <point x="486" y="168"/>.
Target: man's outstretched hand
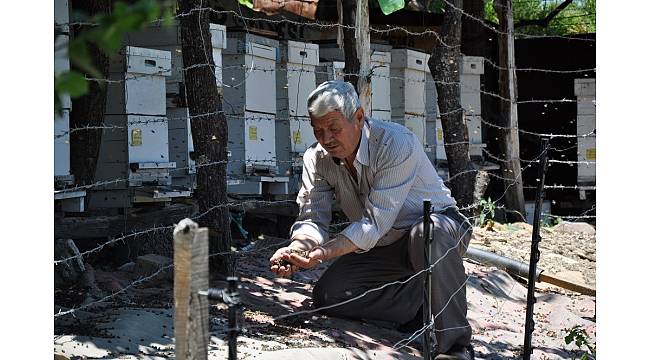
<point x="293" y="261"/>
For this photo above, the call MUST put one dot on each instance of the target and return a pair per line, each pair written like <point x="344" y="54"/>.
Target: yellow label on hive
<point x="252" y="133"/>
<point x="296" y="137"/>
<point x="440" y="134"/>
<point x="136" y="137"/>
<point x="591" y="154"/>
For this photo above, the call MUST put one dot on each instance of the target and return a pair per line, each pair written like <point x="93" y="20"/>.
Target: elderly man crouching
<point x="380" y="175"/>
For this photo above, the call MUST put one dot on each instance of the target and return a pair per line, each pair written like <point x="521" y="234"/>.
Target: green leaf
<point x="247" y="3"/>
<point x="72" y="83"/>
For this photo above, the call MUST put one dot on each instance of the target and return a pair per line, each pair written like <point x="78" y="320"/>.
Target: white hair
<point x="333" y="95"/>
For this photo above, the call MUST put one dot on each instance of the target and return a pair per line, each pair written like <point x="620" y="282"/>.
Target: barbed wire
<point x="400" y="344"/>
<point x="143" y="279"/>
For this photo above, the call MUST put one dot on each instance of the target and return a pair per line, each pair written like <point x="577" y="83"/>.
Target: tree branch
<point x="545" y="21"/>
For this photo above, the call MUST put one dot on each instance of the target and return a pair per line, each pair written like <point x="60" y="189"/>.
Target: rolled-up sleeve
<point x="394" y="177"/>
<point x="314" y="201"/>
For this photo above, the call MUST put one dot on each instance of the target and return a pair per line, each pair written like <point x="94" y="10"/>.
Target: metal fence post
<point x="428" y="250"/>
<point x="534" y="253"/>
<point x="191" y="309"/>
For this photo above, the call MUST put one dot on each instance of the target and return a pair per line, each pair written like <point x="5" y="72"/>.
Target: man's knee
<point x="324" y="291"/>
<point x="444" y="234"/>
<point x="318" y="295"/>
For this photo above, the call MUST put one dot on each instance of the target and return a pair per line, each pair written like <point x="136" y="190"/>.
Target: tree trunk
<point x="88" y="110"/>
<point x="511" y="168"/>
<point x="444" y="65"/>
<point x="209" y="132"/>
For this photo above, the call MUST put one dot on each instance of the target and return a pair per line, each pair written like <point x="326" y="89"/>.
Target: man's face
<point x="338" y="135"/>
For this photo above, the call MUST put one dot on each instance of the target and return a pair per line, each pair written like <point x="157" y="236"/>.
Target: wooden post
<point x="191" y="310"/>
<point x="356" y="48"/>
<point x="363" y="52"/>
<point x="511" y="168"/>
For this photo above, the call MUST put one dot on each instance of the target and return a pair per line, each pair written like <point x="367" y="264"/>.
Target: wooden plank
<point x="111" y="226"/>
<point x="191" y="310"/>
<point x="567" y="284"/>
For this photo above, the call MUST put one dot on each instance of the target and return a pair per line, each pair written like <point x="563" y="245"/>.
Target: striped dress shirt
<point x="394" y="177"/>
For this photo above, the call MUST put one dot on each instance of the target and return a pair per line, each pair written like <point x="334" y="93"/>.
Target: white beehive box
<point x="470" y="88"/>
<point x="296" y="79"/>
<point x="585" y="87"/>
<point x="585" y="91"/>
<point x="61" y="65"/>
<point x="168" y="37"/>
<point x="140" y="73"/>
<point x="473" y="131"/>
<point x="417" y="124"/>
<point x="181" y="145"/>
<point x="249" y="77"/>
<point x="380" y="85"/>
<point x="218" y="36"/>
<point x="251" y="144"/>
<point x="62" y="144"/>
<point x="408" y="76"/>
<point x="147" y="139"/>
<point x="249" y="73"/>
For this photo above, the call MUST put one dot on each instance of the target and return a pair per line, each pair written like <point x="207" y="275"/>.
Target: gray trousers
<point x="352" y="274"/>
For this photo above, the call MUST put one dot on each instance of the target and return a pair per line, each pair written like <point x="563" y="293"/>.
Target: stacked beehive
<point x="408" y="73"/>
<point x="62" y="121"/>
<point x="134" y="150"/>
<point x="585" y="91"/>
<point x="470" y="100"/>
<point x="296" y="79"/>
<point x="181" y="147"/>
<point x="249" y="77"/>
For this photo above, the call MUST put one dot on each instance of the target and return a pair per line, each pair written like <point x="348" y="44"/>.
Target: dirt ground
<point x="138" y="324"/>
<point x="560" y="252"/>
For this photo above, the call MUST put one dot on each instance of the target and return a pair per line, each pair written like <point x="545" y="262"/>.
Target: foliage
<point x="579" y="336"/>
<point x="487" y="210"/>
<point x="577" y="18"/>
<point x="106" y="33"/>
<point x="549" y="220"/>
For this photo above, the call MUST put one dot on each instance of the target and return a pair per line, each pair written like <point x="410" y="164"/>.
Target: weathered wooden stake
<point x="514" y="193"/>
<point x="191" y="309"/>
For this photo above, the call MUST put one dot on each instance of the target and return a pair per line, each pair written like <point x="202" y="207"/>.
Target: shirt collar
<point x="362" y="153"/>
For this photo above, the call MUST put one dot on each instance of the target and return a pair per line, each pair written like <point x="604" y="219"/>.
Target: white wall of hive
<point x="585" y="91"/>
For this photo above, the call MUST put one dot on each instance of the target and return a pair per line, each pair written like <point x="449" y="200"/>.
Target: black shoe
<point x="457" y="352"/>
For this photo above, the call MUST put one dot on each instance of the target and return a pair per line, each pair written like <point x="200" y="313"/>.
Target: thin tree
<point x="511" y="167"/>
<point x="209" y="131"/>
<point x="88" y="110"/>
<point x="444" y="64"/>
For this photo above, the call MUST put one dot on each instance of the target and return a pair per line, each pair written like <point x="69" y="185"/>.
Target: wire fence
<point x="295" y="158"/>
